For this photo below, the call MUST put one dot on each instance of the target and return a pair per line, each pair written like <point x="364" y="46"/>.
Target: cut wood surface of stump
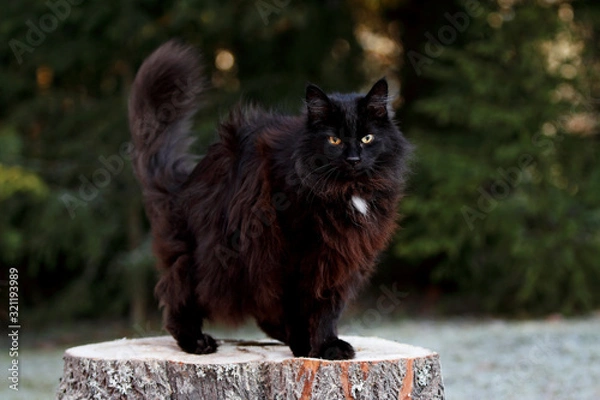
<point x="155" y="368"/>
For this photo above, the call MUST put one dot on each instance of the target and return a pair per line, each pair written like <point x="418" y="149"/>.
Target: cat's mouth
<point x="348" y="175"/>
<point x="355" y="170"/>
<point x="331" y="177"/>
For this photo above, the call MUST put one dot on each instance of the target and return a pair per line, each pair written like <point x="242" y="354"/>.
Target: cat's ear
<point x="318" y="105"/>
<point x="377" y="100"/>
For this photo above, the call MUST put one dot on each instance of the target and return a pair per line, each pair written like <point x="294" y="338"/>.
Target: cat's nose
<point x="353" y="160"/>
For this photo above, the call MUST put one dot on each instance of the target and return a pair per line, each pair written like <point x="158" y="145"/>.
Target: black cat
<point x="281" y="220"/>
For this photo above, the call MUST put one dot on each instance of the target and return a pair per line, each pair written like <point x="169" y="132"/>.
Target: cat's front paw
<point x="203" y="345"/>
<point x="337" y="350"/>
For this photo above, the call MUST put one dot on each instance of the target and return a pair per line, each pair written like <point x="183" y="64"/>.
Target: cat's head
<point x="350" y="143"/>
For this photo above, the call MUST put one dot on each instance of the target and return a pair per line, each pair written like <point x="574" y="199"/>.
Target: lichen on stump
<point x="155" y="368"/>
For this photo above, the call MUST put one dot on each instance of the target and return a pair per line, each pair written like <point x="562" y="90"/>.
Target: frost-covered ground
<point x="537" y="360"/>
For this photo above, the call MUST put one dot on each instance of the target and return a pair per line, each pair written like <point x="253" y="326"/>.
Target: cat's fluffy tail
<point x="163" y="101"/>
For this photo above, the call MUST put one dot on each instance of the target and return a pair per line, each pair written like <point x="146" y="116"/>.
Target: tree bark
<point x="155" y="368"/>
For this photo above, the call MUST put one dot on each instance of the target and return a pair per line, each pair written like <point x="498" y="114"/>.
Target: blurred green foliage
<point x="503" y="208"/>
<point x="506" y="190"/>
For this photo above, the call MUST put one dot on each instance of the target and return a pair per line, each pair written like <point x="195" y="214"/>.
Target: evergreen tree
<point x="505" y="197"/>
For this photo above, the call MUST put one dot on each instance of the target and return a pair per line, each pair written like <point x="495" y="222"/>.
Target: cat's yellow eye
<point x="335" y="140"/>
<point x="367" y="139"/>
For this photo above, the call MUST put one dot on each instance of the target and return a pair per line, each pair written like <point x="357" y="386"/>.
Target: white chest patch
<point x="360" y="204"/>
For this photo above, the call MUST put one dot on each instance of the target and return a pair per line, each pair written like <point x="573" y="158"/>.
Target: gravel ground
<point x="493" y="359"/>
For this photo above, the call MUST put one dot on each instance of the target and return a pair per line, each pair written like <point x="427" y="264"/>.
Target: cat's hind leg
<point x="185" y="324"/>
<point x="183" y="316"/>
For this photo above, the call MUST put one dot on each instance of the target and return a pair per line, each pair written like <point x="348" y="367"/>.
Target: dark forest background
<point x="501" y="98"/>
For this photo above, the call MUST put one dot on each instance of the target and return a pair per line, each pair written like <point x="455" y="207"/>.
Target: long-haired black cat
<point x="281" y="220"/>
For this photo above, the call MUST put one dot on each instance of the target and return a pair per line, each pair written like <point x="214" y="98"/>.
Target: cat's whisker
<point x="317" y="185"/>
<point x="304" y="178"/>
<point x="324" y="180"/>
<point x="317" y="170"/>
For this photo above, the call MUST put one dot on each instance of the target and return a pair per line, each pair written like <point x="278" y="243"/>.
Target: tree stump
<point x="155" y="368"/>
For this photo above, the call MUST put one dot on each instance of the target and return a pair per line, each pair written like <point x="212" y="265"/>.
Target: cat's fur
<point x="274" y="222"/>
